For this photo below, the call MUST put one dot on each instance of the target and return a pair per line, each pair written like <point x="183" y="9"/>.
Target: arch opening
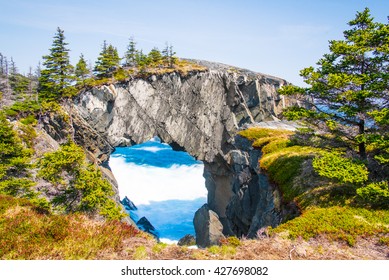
<point x="166" y="186"/>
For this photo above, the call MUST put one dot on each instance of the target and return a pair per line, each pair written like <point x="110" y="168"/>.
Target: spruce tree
<point x="155" y="56"/>
<point x="131" y="54"/>
<point x="349" y="90"/>
<point x="107" y="61"/>
<point x="81" y="70"/>
<point x="56" y="78"/>
<point x="168" y="55"/>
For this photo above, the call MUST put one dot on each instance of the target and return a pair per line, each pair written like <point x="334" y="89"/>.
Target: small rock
<point x="187" y="240"/>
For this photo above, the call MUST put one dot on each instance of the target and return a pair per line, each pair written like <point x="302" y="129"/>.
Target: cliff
<point x="199" y="113"/>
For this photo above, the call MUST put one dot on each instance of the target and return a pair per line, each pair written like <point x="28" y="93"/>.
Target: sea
<point x="166" y="186"/>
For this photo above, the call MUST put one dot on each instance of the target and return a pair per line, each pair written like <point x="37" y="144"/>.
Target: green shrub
<point x="344" y="170"/>
<point x="30" y="119"/>
<point x="22" y="107"/>
<point x="375" y="194"/>
<point x="81" y="185"/>
<point x="120" y="75"/>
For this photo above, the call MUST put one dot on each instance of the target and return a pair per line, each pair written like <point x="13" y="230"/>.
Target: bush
<point x="81" y="185"/>
<point x="337" y="167"/>
<point x="375" y="194"/>
<point x="30" y="119"/>
<point x="23" y="108"/>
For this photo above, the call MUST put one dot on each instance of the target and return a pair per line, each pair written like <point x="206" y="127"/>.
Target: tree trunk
<point x="362" y="145"/>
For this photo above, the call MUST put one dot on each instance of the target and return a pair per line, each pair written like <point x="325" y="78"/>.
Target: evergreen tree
<point x="2" y="64"/>
<point x="141" y="59"/>
<point x="107" y="61"/>
<point x="131" y="54"/>
<point x="349" y="89"/>
<point x="56" y="79"/>
<point x="81" y="70"/>
<point x="155" y="56"/>
<point x="168" y="55"/>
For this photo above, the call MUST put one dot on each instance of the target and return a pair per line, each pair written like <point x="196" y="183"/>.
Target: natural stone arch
<point x="199" y="113"/>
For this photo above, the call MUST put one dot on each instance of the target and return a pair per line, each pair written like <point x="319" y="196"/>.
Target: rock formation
<point x="209" y="230"/>
<point x="199" y="113"/>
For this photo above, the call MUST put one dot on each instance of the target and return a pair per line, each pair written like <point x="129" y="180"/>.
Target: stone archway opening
<point x="165" y="184"/>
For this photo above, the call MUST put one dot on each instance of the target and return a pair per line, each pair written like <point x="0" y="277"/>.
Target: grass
<point x="29" y="232"/>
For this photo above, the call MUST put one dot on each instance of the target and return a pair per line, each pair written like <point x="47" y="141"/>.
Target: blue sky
<point x="276" y="37"/>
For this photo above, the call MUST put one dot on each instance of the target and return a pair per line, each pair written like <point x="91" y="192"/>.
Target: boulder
<point x="209" y="230"/>
<point x="187" y="240"/>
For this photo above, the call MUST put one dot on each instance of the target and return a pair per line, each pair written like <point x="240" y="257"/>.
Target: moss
<point x="337" y="223"/>
<point x="283" y="165"/>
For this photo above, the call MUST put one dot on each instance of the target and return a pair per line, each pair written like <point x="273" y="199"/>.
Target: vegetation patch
<point x="335" y="193"/>
<point x="29" y="232"/>
<point x="338" y="223"/>
<point x="81" y="185"/>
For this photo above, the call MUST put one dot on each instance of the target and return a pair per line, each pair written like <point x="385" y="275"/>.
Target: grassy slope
<point x="329" y="209"/>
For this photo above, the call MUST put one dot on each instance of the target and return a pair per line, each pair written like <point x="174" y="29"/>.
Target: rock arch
<point x="199" y="113"/>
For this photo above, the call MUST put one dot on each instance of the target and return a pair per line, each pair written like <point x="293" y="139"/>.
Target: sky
<point x="276" y="37"/>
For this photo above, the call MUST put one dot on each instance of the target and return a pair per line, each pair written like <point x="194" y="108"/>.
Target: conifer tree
<point x="107" y="60"/>
<point x="169" y="55"/>
<point x="155" y="56"/>
<point x="56" y="78"/>
<point x="350" y="88"/>
<point x="131" y="54"/>
<point x="81" y="70"/>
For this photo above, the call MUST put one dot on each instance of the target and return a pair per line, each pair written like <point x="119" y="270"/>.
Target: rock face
<point x="199" y="113"/>
<point x="208" y="228"/>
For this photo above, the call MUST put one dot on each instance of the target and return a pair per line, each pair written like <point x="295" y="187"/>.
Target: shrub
<point x="30" y="119"/>
<point x="334" y="166"/>
<point x="22" y="108"/>
<point x="375" y="194"/>
<point x="81" y="185"/>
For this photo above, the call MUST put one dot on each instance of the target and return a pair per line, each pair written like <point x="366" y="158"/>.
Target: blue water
<point x="166" y="186"/>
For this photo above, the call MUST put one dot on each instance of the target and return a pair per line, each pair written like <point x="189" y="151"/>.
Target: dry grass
<point x="27" y="233"/>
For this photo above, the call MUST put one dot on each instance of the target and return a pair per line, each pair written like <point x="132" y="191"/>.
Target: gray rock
<point x="187" y="240"/>
<point x="209" y="229"/>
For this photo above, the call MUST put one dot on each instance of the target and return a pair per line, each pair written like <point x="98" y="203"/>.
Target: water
<point x="166" y="186"/>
